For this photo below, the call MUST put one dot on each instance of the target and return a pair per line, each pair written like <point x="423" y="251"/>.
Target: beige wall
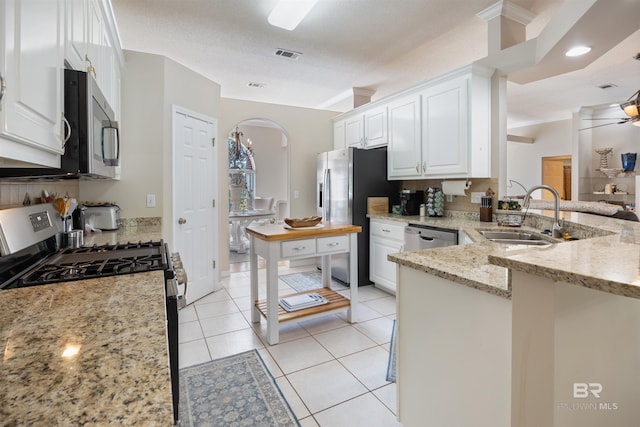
<point x="524" y="160"/>
<point x="308" y="132"/>
<point x="270" y="152"/>
<point x="151" y="84"/>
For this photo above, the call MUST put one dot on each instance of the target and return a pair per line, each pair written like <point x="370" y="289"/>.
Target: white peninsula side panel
<point x="576" y="353"/>
<point x="454" y="353"/>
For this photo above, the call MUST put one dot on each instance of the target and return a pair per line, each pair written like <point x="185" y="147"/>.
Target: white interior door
<point x="194" y="193"/>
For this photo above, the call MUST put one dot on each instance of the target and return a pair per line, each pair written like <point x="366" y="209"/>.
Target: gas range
<point x="29" y="256"/>
<point x="99" y="261"/>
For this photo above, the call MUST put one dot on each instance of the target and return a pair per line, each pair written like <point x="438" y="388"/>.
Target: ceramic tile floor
<point x="331" y="372"/>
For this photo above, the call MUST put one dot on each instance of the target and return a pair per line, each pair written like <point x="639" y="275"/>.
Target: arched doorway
<point x="268" y="144"/>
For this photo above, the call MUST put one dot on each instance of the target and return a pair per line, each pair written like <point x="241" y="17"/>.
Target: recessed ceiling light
<point x="578" y="50"/>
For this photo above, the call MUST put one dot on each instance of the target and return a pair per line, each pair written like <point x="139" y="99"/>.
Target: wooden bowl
<point x="303" y="222"/>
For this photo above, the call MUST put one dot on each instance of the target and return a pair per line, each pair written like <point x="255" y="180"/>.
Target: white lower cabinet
<point x="31" y="67"/>
<point x="386" y="237"/>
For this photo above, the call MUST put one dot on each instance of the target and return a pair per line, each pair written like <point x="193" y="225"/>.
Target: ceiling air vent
<point x="287" y="54"/>
<point x="607" y="86"/>
<point x="256" y="84"/>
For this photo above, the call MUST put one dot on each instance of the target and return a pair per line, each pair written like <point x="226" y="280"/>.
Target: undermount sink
<point x="514" y="237"/>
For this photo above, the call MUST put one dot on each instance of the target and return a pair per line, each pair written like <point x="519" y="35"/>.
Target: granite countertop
<point x="606" y="258"/>
<point x="88" y="351"/>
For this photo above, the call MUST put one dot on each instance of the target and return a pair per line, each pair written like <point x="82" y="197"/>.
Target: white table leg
<point x="352" y="313"/>
<point x="325" y="264"/>
<point x="272" y="294"/>
<point x="253" y="265"/>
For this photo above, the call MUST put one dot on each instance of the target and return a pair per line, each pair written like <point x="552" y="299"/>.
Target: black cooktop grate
<point x="98" y="261"/>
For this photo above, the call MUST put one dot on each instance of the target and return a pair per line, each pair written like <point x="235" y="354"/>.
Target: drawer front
<point x="295" y="248"/>
<point x="333" y="244"/>
<point x="386" y="230"/>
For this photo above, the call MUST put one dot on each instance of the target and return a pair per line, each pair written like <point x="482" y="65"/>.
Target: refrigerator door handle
<point x="327" y="195"/>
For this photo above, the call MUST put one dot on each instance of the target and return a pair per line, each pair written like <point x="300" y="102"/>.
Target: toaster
<point x="103" y="217"/>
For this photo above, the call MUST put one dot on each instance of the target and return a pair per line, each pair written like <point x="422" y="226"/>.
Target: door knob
<point x="182" y="221"/>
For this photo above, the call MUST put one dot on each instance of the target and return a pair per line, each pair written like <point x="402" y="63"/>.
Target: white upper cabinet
<point x="339" y="135"/>
<point x="31" y="65"/>
<point x="92" y="45"/>
<point x="452" y="115"/>
<point x="375" y="127"/>
<point x="354" y="131"/>
<point x="445" y="133"/>
<point x="76" y="33"/>
<point x="366" y="128"/>
<point x="404" y="152"/>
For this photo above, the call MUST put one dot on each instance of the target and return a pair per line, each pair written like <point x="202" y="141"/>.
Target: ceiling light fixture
<point x="578" y="51"/>
<point x="631" y="108"/>
<point x="289" y="13"/>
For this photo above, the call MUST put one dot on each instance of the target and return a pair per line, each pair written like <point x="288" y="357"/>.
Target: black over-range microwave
<point x="93" y="147"/>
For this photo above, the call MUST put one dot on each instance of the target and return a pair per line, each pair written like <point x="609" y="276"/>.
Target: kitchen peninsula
<point x="574" y="319"/>
<point x="88" y="351"/>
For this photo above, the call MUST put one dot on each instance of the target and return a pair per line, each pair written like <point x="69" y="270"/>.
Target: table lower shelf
<point x="336" y="301"/>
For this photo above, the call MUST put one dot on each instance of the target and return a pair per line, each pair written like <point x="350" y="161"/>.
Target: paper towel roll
<point x="455" y="188"/>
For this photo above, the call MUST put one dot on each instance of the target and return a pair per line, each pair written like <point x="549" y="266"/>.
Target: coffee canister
<point x="434" y="201"/>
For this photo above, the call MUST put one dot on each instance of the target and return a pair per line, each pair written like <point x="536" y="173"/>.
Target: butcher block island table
<point x="273" y="242"/>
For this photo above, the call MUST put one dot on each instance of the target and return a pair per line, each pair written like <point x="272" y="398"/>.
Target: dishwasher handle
<point x="427" y="238"/>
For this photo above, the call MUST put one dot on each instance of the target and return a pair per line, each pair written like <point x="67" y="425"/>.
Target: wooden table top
<point x="276" y="232"/>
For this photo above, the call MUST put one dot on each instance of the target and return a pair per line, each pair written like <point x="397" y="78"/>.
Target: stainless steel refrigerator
<point x="345" y="179"/>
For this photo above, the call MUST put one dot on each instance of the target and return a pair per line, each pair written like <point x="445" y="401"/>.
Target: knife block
<point x="486" y="214"/>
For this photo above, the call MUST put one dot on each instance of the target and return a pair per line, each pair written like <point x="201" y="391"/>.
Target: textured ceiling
<point x="384" y="45"/>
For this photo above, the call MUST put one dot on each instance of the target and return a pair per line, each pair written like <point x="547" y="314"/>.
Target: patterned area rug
<point x="391" y="366"/>
<point x="233" y="391"/>
<point x="309" y="280"/>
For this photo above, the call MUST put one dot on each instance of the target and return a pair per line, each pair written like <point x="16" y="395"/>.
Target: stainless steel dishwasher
<point x="417" y="236"/>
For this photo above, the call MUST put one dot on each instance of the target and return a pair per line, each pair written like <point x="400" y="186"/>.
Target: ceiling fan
<point x="631" y="108"/>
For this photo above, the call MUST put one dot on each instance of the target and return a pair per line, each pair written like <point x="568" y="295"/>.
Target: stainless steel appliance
<point x="29" y="257"/>
<point x="345" y="178"/>
<point x="105" y="217"/>
<point x="93" y="147"/>
<point x="418" y="236"/>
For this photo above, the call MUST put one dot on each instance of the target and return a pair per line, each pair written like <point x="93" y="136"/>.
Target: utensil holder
<point x="486" y="214"/>
<point x="73" y="239"/>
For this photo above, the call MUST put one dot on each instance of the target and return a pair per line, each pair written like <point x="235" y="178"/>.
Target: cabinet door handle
<point x="90" y="68"/>
<point x="3" y="86"/>
<point x="67" y="133"/>
<point x="333" y="244"/>
<point x="418" y="167"/>
<point x="299" y="248"/>
<point x="386" y="231"/>
<point x="424" y="167"/>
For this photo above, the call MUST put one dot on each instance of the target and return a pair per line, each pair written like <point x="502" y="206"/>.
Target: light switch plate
<point x="151" y="200"/>
<point x="476" y="196"/>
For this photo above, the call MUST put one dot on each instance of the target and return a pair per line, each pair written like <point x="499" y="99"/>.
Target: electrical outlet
<point x="476" y="196"/>
<point x="151" y="200"/>
<point x="296" y="194"/>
